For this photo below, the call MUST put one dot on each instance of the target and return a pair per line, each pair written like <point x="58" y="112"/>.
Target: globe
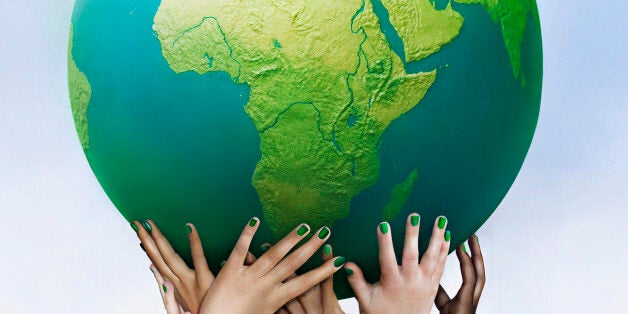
<point x="333" y="113"/>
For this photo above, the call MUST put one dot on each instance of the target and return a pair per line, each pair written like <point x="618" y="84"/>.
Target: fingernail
<point x="252" y="222"/>
<point x="477" y="239"/>
<point x="464" y="248"/>
<point x="339" y="261"/>
<point x="327" y="249"/>
<point x="349" y="271"/>
<point x="223" y="263"/>
<point x="147" y="226"/>
<point x="133" y="226"/>
<point x="142" y="246"/>
<point x="383" y="227"/>
<point x="264" y="247"/>
<point x="441" y="222"/>
<point x="303" y="230"/>
<point x="189" y="228"/>
<point x="165" y="288"/>
<point x="323" y="233"/>
<point x="151" y="270"/>
<point x="447" y="236"/>
<point x="414" y="220"/>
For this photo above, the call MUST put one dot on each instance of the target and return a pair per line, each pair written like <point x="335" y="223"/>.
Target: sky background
<point x="556" y="244"/>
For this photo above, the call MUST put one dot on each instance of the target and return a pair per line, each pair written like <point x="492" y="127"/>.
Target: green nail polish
<point x="302" y="230"/>
<point x="447" y="236"/>
<point x="349" y="271"/>
<point x="142" y="246"/>
<point x="414" y="220"/>
<point x="189" y="228"/>
<point x="477" y="239"/>
<point x="264" y="247"/>
<point x="165" y="288"/>
<point x="252" y="223"/>
<point x="133" y="226"/>
<point x="464" y="248"/>
<point x="223" y="263"/>
<point x="323" y="233"/>
<point x="339" y="261"/>
<point x="383" y="227"/>
<point x="327" y="249"/>
<point x="147" y="226"/>
<point x="441" y="222"/>
<point x="151" y="270"/>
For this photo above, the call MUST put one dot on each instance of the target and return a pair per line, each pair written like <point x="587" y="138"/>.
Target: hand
<point x="411" y="287"/>
<point x="166" y="290"/>
<point x="263" y="286"/>
<point x="319" y="299"/>
<point x="473" y="280"/>
<point x="190" y="285"/>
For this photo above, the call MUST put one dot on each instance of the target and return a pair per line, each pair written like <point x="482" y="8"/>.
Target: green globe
<point x="334" y="113"/>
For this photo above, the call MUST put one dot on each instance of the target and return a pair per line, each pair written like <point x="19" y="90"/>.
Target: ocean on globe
<point x="334" y="113"/>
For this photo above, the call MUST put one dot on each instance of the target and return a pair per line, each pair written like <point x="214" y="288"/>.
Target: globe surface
<point x="337" y="113"/>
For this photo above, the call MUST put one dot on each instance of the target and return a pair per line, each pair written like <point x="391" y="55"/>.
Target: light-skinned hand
<point x="473" y="280"/>
<point x="411" y="287"/>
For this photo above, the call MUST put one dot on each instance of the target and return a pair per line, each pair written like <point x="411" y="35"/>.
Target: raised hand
<point x="473" y="279"/>
<point x="264" y="286"/>
<point x="166" y="290"/>
<point x="411" y="287"/>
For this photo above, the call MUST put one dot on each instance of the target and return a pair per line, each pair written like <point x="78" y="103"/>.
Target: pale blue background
<point x="557" y="243"/>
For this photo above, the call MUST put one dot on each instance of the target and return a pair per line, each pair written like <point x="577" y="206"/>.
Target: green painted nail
<point x="147" y="226"/>
<point x="414" y="220"/>
<point x="323" y="233"/>
<point x="477" y="239"/>
<point x="339" y="261"/>
<point x="252" y="222"/>
<point x="327" y="249"/>
<point x="441" y="222"/>
<point x="142" y="246"/>
<point x="264" y="247"/>
<point x="151" y="270"/>
<point x="349" y="271"/>
<point x="133" y="226"/>
<point x="447" y="236"/>
<point x="464" y="248"/>
<point x="165" y="288"/>
<point x="383" y="227"/>
<point x="189" y="228"/>
<point x="223" y="263"/>
<point x="302" y="230"/>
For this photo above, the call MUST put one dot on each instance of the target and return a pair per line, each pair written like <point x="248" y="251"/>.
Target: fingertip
<point x="441" y="222"/>
<point x="327" y="251"/>
<point x="414" y="220"/>
<point x="254" y="222"/>
<point x="383" y="228"/>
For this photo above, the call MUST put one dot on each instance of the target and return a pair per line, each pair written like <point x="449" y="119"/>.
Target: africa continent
<point x="324" y="86"/>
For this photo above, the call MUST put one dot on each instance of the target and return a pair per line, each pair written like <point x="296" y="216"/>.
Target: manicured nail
<point x="323" y="233"/>
<point x="264" y="247"/>
<point x="414" y="220"/>
<point x="165" y="288"/>
<point x="133" y="226"/>
<point x="252" y="222"/>
<point x="339" y="261"/>
<point x="223" y="263"/>
<point x="477" y="239"/>
<point x="189" y="228"/>
<point x="142" y="246"/>
<point x="383" y="227"/>
<point x="151" y="270"/>
<point x="349" y="271"/>
<point x="464" y="248"/>
<point x="441" y="222"/>
<point x="327" y="249"/>
<point x="147" y="226"/>
<point x="447" y="235"/>
<point x="303" y="230"/>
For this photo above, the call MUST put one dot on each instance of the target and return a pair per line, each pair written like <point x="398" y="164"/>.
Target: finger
<point x="172" y="307"/>
<point x="478" y="265"/>
<point x="172" y="259"/>
<point x="327" y="286"/>
<point x="294" y="307"/>
<point x="442" y="298"/>
<point x="465" y="294"/>
<point x="387" y="259"/>
<point x="153" y="253"/>
<point x="250" y="259"/>
<point x="203" y="274"/>
<point x="292" y="262"/>
<point x="360" y="287"/>
<point x="410" y="259"/>
<point x="442" y="257"/>
<point x="431" y="256"/>
<point x="159" y="278"/>
<point x="297" y="286"/>
<point x="310" y="300"/>
<point x="241" y="249"/>
<point x="276" y="253"/>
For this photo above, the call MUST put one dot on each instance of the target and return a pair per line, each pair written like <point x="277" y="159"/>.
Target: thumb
<point x="357" y="282"/>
